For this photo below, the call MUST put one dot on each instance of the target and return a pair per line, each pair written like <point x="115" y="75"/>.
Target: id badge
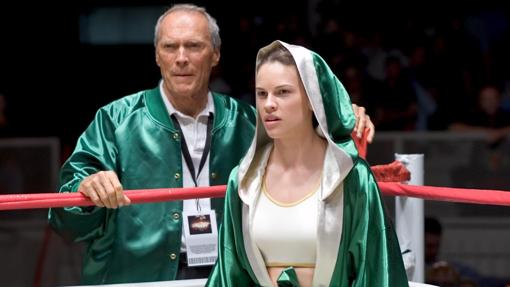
<point x="201" y="236"/>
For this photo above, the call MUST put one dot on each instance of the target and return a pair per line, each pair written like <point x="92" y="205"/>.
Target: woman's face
<point x="281" y="101"/>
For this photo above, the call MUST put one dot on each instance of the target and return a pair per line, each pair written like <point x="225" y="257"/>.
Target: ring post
<point x="409" y="220"/>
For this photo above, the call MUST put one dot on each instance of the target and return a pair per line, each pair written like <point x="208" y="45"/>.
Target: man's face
<point x="185" y="54"/>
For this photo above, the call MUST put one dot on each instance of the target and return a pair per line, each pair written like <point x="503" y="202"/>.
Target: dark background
<point x="54" y="83"/>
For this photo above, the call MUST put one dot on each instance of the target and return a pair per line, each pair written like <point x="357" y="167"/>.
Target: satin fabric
<point x="135" y="137"/>
<point x="288" y="278"/>
<point x="357" y="244"/>
<point x="368" y="253"/>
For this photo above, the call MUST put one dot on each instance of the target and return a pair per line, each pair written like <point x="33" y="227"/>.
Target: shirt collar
<point x="209" y="107"/>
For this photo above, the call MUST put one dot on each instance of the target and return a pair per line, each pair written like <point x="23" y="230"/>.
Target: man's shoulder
<point x="129" y="104"/>
<point x="130" y="100"/>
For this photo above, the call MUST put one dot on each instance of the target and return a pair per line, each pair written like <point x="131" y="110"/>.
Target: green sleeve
<point x="95" y="151"/>
<point x="374" y="250"/>
<point x="384" y="265"/>
<point x="232" y="267"/>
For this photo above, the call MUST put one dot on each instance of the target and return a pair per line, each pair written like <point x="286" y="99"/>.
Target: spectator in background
<point x="442" y="274"/>
<point x="448" y="273"/>
<point x="433" y="232"/>
<point x="437" y="272"/>
<point x="488" y="166"/>
<point x="488" y="116"/>
<point x="425" y="90"/>
<point x="360" y="87"/>
<point x="396" y="103"/>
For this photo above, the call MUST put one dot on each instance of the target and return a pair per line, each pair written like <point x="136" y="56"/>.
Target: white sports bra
<point x="286" y="233"/>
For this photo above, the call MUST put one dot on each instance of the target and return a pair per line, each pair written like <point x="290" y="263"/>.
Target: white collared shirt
<point x="195" y="132"/>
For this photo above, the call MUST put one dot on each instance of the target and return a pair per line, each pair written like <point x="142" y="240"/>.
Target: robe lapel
<point x="249" y="193"/>
<point x="330" y="220"/>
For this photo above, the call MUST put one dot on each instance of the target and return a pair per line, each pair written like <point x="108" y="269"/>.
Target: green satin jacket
<point x="135" y="137"/>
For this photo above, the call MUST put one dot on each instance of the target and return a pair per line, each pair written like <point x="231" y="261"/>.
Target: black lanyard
<point x="185" y="151"/>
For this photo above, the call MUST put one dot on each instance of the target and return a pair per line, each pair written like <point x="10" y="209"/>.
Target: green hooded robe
<point x="356" y="241"/>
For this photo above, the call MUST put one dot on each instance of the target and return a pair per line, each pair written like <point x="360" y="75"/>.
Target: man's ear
<point x="157" y="58"/>
<point x="216" y="58"/>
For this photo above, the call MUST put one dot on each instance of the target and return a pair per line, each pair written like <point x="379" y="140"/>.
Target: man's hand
<point x="363" y="122"/>
<point x="104" y="189"/>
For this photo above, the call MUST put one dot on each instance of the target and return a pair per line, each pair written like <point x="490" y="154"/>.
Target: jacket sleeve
<point x="95" y="151"/>
<point x="376" y="257"/>
<point x="232" y="267"/>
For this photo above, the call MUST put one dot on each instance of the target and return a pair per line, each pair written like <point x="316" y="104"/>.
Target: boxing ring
<point x="450" y="194"/>
<point x="47" y="200"/>
<point x="389" y="186"/>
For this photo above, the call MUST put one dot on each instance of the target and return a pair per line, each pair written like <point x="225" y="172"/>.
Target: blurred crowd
<point x="440" y="272"/>
<point x="416" y="67"/>
<point x="428" y="68"/>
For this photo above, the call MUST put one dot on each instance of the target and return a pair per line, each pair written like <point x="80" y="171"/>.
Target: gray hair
<point x="213" y="26"/>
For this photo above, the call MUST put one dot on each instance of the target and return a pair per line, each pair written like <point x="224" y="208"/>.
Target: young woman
<point x="301" y="208"/>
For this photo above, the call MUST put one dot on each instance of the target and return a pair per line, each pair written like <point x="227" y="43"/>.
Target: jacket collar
<point x="157" y="109"/>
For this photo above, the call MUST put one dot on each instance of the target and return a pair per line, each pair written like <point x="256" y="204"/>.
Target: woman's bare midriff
<point x="304" y="274"/>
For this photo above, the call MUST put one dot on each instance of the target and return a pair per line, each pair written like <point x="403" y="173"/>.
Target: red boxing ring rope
<point x="464" y="195"/>
<point x="47" y="200"/>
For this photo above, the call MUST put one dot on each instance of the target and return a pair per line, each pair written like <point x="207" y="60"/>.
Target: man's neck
<point x="190" y="105"/>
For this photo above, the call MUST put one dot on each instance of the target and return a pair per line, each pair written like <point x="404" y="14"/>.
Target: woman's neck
<point x="305" y="150"/>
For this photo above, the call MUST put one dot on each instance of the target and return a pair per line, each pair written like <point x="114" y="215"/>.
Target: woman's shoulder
<point x="360" y="179"/>
<point x="361" y="168"/>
